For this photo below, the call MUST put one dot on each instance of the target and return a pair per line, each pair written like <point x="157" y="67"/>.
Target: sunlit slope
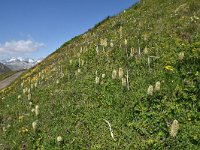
<point x="131" y="82"/>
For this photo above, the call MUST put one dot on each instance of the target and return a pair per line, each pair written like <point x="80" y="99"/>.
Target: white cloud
<point x="21" y="46"/>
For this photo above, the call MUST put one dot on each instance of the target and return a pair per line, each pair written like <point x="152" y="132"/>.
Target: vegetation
<point x="3" y="69"/>
<point x="7" y="74"/>
<point x="132" y="82"/>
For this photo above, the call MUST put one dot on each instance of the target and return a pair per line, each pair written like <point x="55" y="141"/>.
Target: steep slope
<point x="3" y="69"/>
<point x="97" y="91"/>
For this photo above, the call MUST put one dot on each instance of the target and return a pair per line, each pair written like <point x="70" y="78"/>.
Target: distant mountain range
<point x="20" y="63"/>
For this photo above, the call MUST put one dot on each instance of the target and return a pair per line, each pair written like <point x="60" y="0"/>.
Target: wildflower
<point x="36" y="84"/>
<point x="170" y="68"/>
<point x="29" y="97"/>
<point x="181" y="55"/>
<point x="97" y="80"/>
<point x="23" y="130"/>
<point x="123" y="81"/>
<point x="150" y="90"/>
<point x="157" y="86"/>
<point x="30" y="103"/>
<point x="34" y="126"/>
<point x="120" y="31"/>
<point x="111" y="44"/>
<point x="57" y="81"/>
<point x="19" y="96"/>
<point x="145" y="50"/>
<point x="121" y="72"/>
<point x="82" y="62"/>
<point x="33" y="110"/>
<point x="31" y="86"/>
<point x="103" y="75"/>
<point x="29" y="90"/>
<point x="59" y="139"/>
<point x="103" y="42"/>
<point x="114" y="74"/>
<point x="21" y="118"/>
<point x="22" y="84"/>
<point x="132" y="52"/>
<point x="79" y="70"/>
<point x="70" y="61"/>
<point x="174" y="128"/>
<point x="36" y="110"/>
<point x="125" y="41"/>
<point x="78" y="54"/>
<point x="24" y="91"/>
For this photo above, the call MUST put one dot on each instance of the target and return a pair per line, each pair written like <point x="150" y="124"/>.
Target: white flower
<point x="79" y="70"/>
<point x="181" y="55"/>
<point x="59" y="139"/>
<point x="125" y="41"/>
<point x="114" y="74"/>
<point x="19" y="96"/>
<point x="121" y="72"/>
<point x="36" y="110"/>
<point x="123" y="81"/>
<point x="34" y="125"/>
<point x="30" y="103"/>
<point x="29" y="97"/>
<point x="174" y="128"/>
<point x="103" y="75"/>
<point x="97" y="80"/>
<point x="33" y="110"/>
<point x="157" y="86"/>
<point x="150" y="90"/>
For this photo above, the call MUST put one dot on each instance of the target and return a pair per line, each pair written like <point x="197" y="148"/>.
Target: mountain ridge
<point x="20" y="63"/>
<point x="3" y="68"/>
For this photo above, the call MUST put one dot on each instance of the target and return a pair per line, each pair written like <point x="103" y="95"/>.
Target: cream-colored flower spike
<point x="145" y="50"/>
<point x="157" y="86"/>
<point x="150" y="90"/>
<point x="181" y="55"/>
<point x="59" y="139"/>
<point x="36" y="110"/>
<point x="125" y="42"/>
<point x="174" y="128"/>
<point x="97" y="80"/>
<point x="29" y="97"/>
<point x="124" y="82"/>
<point x="114" y="74"/>
<point x="34" y="126"/>
<point x="103" y="75"/>
<point x="121" y="73"/>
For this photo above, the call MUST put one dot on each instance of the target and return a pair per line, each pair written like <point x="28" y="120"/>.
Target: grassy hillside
<point x="131" y="82"/>
<point x="3" y="69"/>
<point x="7" y="74"/>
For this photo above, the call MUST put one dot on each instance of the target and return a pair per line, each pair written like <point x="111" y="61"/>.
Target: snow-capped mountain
<point x="20" y="63"/>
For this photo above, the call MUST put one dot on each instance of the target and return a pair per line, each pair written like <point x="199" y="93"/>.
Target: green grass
<point x="72" y="106"/>
<point x="6" y="75"/>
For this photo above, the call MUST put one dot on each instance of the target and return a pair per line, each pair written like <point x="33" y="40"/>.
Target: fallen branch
<point x="110" y="128"/>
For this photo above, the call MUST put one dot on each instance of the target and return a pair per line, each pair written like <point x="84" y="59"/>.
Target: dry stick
<point x="127" y="81"/>
<point x="149" y="61"/>
<point x="110" y="128"/>
<point x="79" y="62"/>
<point x="139" y="52"/>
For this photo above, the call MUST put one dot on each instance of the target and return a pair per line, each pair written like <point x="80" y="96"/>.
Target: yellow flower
<point x="23" y="130"/>
<point x="170" y="68"/>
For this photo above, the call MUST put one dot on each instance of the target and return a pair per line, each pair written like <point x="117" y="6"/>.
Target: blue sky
<point x="36" y="28"/>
